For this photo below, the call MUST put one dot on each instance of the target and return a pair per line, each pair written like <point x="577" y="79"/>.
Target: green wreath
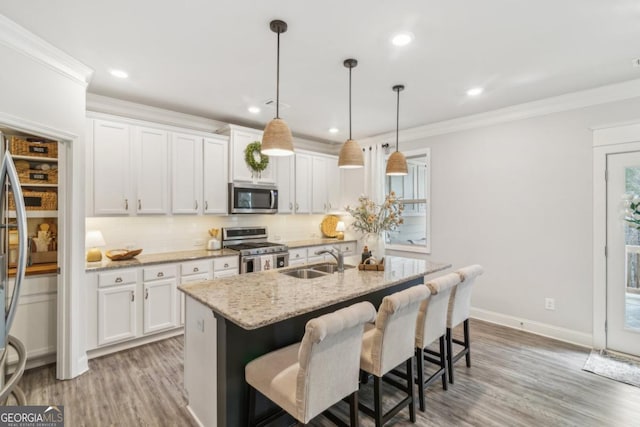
<point x="251" y="158"/>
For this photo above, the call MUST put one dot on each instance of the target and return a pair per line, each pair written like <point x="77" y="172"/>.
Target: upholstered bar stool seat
<point x="432" y="326"/>
<point x="389" y="343"/>
<point x="306" y="378"/>
<point x="459" y="307"/>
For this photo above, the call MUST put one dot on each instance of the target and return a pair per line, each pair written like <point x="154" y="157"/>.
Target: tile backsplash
<point x="157" y="234"/>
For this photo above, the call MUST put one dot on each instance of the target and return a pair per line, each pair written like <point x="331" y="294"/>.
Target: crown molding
<point x="118" y="107"/>
<point x="39" y="129"/>
<point x="19" y="39"/>
<point x="571" y="101"/>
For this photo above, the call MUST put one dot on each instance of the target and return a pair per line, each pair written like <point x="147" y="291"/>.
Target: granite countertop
<point x="259" y="299"/>
<point x="294" y="244"/>
<point x="160" y="258"/>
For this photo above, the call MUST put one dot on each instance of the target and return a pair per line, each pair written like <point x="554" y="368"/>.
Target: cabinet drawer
<point x="297" y="255"/>
<point x="348" y="248"/>
<point x="120" y="277"/>
<point x="225" y="263"/>
<point x="311" y="252"/>
<point x="195" y="267"/>
<point x="159" y="272"/>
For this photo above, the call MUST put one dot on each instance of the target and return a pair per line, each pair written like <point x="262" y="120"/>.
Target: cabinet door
<point x="334" y="189"/>
<point x="111" y="156"/>
<point x="285" y="180"/>
<point x="240" y="171"/>
<point x="303" y="183"/>
<point x="159" y="305"/>
<point x="224" y="273"/>
<point x="152" y="169"/>
<point x="215" y="176"/>
<point x="319" y="184"/>
<point x="116" y="314"/>
<point x="186" y="173"/>
<point x="188" y="279"/>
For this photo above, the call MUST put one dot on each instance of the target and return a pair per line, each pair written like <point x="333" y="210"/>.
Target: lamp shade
<point x="351" y="156"/>
<point x="397" y="164"/>
<point x="94" y="239"/>
<point x="340" y="226"/>
<point x="277" y="139"/>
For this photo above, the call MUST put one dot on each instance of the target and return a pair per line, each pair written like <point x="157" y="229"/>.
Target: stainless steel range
<point x="256" y="253"/>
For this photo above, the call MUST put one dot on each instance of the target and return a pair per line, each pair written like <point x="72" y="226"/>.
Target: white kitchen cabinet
<point x="334" y="185"/>
<point x="303" y="183"/>
<point x="152" y="170"/>
<point x="215" y="175"/>
<point x="192" y="271"/>
<point x="112" y="194"/>
<point x="225" y="266"/>
<point x="239" y="138"/>
<point x="159" y="305"/>
<point x="186" y="173"/>
<point x="319" y="184"/>
<point x="297" y="256"/>
<point x="286" y="183"/>
<point x="116" y="314"/>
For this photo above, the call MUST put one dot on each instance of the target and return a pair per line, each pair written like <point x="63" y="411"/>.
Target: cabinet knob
<point x="290" y="206"/>
<point x="146" y="293"/>
<point x="325" y="206"/>
<point x="133" y="296"/>
<point x="206" y="205"/>
<point x="196" y="205"/>
<point x="196" y="269"/>
<point x="118" y="280"/>
<point x="126" y="204"/>
<point x="139" y="204"/>
<point x="226" y="265"/>
<point x="160" y="274"/>
<point x="297" y="207"/>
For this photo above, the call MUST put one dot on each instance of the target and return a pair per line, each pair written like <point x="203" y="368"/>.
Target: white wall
<point x="517" y="198"/>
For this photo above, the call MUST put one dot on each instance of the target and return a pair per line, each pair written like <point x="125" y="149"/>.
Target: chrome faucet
<point x="339" y="257"/>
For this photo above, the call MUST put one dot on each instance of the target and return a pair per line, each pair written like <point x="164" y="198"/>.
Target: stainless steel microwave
<point x="252" y="198"/>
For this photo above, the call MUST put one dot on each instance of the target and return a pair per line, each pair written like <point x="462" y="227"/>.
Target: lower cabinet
<point x="159" y="306"/>
<point x="116" y="314"/>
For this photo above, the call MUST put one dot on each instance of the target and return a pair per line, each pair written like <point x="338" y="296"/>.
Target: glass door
<point x="623" y="252"/>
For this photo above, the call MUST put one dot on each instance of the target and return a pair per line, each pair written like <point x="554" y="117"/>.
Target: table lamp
<point x="340" y="230"/>
<point x="93" y="240"/>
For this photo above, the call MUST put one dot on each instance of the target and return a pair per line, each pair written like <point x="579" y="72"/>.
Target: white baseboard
<point x="194" y="416"/>
<point x="125" y="345"/>
<point x="543" y="329"/>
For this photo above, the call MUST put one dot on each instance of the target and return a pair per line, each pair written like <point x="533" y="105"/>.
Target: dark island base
<point x="237" y="346"/>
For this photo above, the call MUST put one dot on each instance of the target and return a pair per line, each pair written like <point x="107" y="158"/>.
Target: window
<point x="413" y="189"/>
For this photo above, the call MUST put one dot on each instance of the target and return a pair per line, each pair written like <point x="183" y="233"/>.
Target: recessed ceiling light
<point x="475" y="91"/>
<point x="253" y="110"/>
<point x="402" y="39"/>
<point x="119" y="74"/>
<point x="334" y="130"/>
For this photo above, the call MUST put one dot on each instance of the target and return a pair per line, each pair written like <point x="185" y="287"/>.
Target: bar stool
<point x="306" y="378"/>
<point x="459" y="306"/>
<point x="389" y="343"/>
<point x="431" y="326"/>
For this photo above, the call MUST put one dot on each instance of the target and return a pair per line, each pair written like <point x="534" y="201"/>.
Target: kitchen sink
<point x="303" y="273"/>
<point x="329" y="267"/>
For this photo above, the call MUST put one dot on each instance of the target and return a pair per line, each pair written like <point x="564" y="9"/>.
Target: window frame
<point x="426" y="151"/>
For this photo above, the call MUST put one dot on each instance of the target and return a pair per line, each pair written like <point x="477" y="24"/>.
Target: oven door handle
<point x="273" y="199"/>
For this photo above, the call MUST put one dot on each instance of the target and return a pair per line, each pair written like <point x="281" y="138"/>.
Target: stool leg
<point x="450" y="355"/>
<point x="467" y="343"/>
<point x="420" y="367"/>
<point x="377" y="400"/>
<point x="443" y="363"/>
<point x="353" y="409"/>
<point x="252" y="407"/>
<point x="412" y="398"/>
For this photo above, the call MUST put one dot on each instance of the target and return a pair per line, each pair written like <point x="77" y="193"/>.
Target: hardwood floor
<point x="516" y="379"/>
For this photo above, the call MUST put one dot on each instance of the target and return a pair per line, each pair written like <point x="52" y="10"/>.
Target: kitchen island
<point x="231" y="321"/>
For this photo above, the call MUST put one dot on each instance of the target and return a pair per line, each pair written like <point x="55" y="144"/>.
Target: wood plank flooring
<point x="517" y="379"/>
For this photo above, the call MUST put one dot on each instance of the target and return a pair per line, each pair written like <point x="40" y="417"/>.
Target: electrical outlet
<point x="549" y="304"/>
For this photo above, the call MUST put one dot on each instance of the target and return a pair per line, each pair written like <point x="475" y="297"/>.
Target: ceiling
<point x="216" y="58"/>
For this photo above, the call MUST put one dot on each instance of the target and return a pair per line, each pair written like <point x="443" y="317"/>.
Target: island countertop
<point x="258" y="299"/>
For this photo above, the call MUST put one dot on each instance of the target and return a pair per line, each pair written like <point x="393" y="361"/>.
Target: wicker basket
<point x="37" y="200"/>
<point x="34" y="148"/>
<point x="34" y="176"/>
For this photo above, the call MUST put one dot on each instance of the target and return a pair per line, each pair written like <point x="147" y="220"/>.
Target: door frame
<point x="606" y="140"/>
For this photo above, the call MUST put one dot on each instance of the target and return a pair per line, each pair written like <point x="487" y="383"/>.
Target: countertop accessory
<point x="397" y="163"/>
<point x="93" y="240"/>
<point x="351" y="156"/>
<point x="122" y="254"/>
<point x="370" y="264"/>
<point x="328" y="225"/>
<point x="340" y="230"/>
<point x="277" y="139"/>
<point x="214" y="245"/>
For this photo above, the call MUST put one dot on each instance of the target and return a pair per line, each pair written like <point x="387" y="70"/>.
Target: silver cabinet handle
<point x="297" y="255"/>
<point x="206" y="205"/>
<point x="329" y="205"/>
<point x="118" y="280"/>
<point x="226" y="265"/>
<point x="126" y="204"/>
<point x="325" y="206"/>
<point x="196" y="269"/>
<point x="160" y="274"/>
<point x="133" y="296"/>
<point x="146" y="293"/>
<point x="139" y="204"/>
<point x="290" y="206"/>
<point x="297" y="207"/>
<point x="196" y="205"/>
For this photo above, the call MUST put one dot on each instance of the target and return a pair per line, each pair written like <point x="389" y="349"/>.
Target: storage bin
<point x="36" y="176"/>
<point x="37" y="200"/>
<point x="21" y="146"/>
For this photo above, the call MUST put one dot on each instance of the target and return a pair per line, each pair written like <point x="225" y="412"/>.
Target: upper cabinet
<point x="239" y="138"/>
<point x="136" y="169"/>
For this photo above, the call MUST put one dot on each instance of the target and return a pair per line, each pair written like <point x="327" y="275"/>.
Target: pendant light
<point x="397" y="163"/>
<point x="277" y="139"/>
<point x="351" y="156"/>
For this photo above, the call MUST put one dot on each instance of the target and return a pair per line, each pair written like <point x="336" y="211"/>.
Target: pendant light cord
<point x="278" y="80"/>
<point x="350" y="102"/>
<point x="397" y="120"/>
